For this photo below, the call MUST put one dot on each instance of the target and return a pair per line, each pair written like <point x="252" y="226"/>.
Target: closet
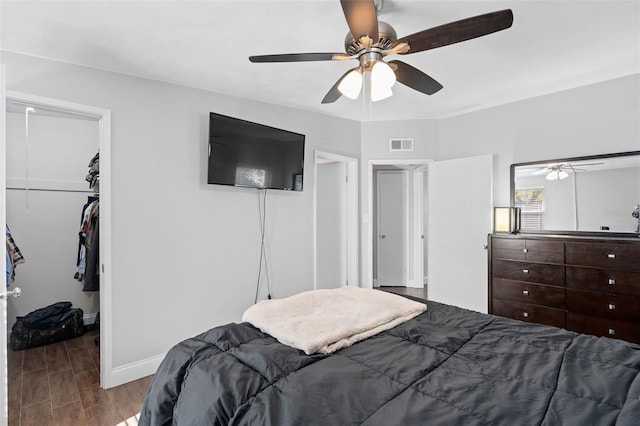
<point x="48" y="153"/>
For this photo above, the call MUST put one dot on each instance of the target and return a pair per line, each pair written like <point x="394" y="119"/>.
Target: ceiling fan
<point x="559" y="171"/>
<point x="370" y="40"/>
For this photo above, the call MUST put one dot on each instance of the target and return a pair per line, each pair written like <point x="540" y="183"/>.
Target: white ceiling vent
<point x="401" y="144"/>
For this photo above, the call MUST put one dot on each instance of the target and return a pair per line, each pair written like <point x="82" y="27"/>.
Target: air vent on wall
<point x="401" y="144"/>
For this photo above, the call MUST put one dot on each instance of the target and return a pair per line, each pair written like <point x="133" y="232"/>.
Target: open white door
<point x="331" y="225"/>
<point x="460" y="202"/>
<point x="3" y="288"/>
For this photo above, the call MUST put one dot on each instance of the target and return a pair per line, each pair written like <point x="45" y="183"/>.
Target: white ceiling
<point x="552" y="46"/>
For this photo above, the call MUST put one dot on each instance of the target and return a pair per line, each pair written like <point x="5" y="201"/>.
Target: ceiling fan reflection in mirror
<point x="560" y="171"/>
<point x="369" y="41"/>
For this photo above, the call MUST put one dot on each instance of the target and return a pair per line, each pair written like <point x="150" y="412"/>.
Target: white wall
<point x="185" y="254"/>
<point x="45" y="224"/>
<point x="595" y="119"/>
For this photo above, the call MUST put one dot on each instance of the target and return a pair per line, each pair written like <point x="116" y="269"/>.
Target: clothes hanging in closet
<point x="88" y="246"/>
<point x="94" y="170"/>
<point x="14" y="256"/>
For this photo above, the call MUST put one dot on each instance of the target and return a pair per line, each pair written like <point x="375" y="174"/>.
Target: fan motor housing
<point x="386" y="38"/>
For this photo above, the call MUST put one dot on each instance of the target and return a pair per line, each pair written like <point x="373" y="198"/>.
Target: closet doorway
<point x="335" y="221"/>
<point x="49" y="145"/>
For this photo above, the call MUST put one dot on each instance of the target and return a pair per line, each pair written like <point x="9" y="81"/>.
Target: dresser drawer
<point x="609" y="256"/>
<point x="529" y="313"/>
<point x="527" y="271"/>
<point x="508" y="248"/>
<point x="606" y="280"/>
<point x="544" y="251"/>
<point x="536" y="294"/>
<point x="603" y="327"/>
<point x="529" y="250"/>
<point x="623" y="308"/>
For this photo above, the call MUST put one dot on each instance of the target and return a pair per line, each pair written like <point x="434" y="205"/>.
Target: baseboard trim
<point x="135" y="370"/>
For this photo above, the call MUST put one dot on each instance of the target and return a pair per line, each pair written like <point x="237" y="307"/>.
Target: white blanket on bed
<point x="327" y="320"/>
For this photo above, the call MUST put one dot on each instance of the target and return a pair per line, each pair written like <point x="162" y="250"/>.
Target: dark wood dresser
<point x="586" y="284"/>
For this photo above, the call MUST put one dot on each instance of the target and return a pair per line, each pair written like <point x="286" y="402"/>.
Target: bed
<point x="445" y="366"/>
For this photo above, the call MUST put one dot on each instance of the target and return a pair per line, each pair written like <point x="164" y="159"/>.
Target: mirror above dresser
<point x="581" y="195"/>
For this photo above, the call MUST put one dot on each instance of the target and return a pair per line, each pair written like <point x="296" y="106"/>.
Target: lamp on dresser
<point x="506" y="219"/>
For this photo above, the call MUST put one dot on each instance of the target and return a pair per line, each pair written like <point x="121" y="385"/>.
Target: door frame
<point x="4" y="407"/>
<point x="104" y="143"/>
<point x="351" y="225"/>
<point x="415" y="222"/>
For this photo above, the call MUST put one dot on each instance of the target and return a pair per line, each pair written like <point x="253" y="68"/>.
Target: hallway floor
<point x="408" y="291"/>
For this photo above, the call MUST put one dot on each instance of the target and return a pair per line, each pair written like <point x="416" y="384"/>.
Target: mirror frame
<point x="512" y="186"/>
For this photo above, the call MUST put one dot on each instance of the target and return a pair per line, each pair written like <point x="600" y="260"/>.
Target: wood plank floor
<point x="59" y="384"/>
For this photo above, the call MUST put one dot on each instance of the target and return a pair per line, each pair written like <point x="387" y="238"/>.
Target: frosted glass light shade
<point x="379" y="93"/>
<point x="382" y="76"/>
<point x="350" y="85"/>
<point x="555" y="174"/>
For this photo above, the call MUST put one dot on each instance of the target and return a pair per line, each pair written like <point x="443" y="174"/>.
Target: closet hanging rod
<point x="56" y="190"/>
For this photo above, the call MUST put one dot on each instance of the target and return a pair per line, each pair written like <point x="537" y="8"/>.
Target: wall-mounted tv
<point x="242" y="153"/>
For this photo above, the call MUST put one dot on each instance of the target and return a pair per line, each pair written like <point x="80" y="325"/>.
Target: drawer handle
<point x="525" y="314"/>
<point x="525" y="292"/>
<point x="612" y="332"/>
<point x="612" y="307"/>
<point x="611" y="256"/>
<point x="612" y="281"/>
<point x="525" y="250"/>
<point x="525" y="271"/>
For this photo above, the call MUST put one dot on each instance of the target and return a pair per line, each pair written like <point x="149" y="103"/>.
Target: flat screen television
<point x="242" y="153"/>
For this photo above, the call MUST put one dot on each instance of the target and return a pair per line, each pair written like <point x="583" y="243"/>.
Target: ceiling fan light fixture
<point x="382" y="76"/>
<point x="351" y="85"/>
<point x="557" y="174"/>
<point x="379" y="93"/>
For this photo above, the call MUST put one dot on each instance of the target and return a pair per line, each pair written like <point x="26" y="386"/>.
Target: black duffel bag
<point x="47" y="325"/>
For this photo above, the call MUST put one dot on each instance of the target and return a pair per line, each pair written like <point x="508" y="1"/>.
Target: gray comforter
<point x="447" y="366"/>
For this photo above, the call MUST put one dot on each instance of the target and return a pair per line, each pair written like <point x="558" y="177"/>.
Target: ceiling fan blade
<point x="455" y="32"/>
<point x="297" y="57"/>
<point x="414" y="78"/>
<point x="362" y="20"/>
<point x="333" y="94"/>
<point x="584" y="164"/>
<point x="543" y="171"/>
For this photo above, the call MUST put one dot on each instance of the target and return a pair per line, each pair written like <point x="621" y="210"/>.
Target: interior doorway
<point x="335" y="220"/>
<point x="412" y="218"/>
<point x="30" y="190"/>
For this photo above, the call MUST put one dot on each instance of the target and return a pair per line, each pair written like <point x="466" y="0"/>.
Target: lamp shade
<point x="557" y="174"/>
<point x="506" y="219"/>
<point x="350" y="85"/>
<point x="379" y="93"/>
<point x="382" y="76"/>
